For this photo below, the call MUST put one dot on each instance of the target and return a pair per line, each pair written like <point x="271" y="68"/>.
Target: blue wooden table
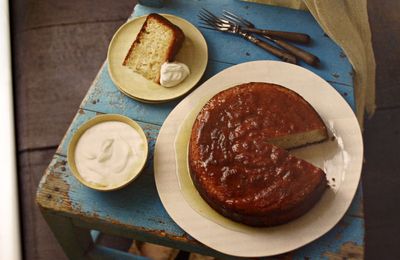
<point x="72" y="210"/>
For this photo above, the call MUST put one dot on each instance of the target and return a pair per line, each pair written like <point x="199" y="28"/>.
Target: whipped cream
<point x="173" y="73"/>
<point x="107" y="152"/>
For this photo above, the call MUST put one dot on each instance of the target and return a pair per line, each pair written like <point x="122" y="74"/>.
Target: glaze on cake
<point x="238" y="159"/>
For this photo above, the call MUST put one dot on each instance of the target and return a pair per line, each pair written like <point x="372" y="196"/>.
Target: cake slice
<point x="238" y="159"/>
<point x="158" y="41"/>
<point x="294" y="122"/>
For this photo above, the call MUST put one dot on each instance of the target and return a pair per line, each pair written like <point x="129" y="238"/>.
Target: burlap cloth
<point x="346" y="23"/>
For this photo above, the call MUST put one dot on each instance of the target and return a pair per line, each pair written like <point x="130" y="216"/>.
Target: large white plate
<point x="341" y="158"/>
<point x="193" y="53"/>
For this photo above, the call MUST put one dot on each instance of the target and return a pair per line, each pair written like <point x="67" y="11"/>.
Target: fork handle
<point x="299" y="53"/>
<point x="283" y="55"/>
<point x="290" y="36"/>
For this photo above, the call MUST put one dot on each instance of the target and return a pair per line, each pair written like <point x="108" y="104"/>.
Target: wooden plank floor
<point x="381" y="176"/>
<point x="58" y="47"/>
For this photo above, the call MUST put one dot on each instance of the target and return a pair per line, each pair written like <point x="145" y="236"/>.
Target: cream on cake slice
<point x="158" y="42"/>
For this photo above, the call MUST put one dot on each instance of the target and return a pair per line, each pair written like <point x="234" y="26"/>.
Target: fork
<point x="215" y="23"/>
<point x="249" y="27"/>
<point x="234" y="20"/>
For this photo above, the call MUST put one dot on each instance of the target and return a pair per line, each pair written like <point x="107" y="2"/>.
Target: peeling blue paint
<point x="138" y="204"/>
<point x="231" y="49"/>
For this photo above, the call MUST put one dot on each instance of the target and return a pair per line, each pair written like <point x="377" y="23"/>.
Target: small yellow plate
<point x="100" y="119"/>
<point x="193" y="53"/>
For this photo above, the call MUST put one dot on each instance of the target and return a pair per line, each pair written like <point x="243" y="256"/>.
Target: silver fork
<point x="249" y="27"/>
<point x="213" y="22"/>
<point x="238" y="21"/>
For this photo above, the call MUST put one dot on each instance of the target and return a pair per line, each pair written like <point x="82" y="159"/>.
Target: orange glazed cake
<point x="238" y="159"/>
<point x="158" y="42"/>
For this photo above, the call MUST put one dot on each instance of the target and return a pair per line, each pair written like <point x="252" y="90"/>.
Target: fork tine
<point x="210" y="20"/>
<point x="215" y="26"/>
<point x="209" y="13"/>
<point x="237" y="18"/>
<point x="230" y="16"/>
<point x="208" y="24"/>
<point x="209" y="28"/>
<point x="206" y="17"/>
<point x="202" y="17"/>
<point x="232" y="19"/>
<point x="213" y="20"/>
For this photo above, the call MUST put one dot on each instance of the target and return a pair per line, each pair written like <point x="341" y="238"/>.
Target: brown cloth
<point x="346" y="23"/>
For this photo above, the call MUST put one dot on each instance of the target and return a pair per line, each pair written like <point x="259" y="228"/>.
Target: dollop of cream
<point x="173" y="73"/>
<point x="107" y="153"/>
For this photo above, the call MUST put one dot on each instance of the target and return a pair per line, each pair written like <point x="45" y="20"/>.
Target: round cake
<point x="238" y="159"/>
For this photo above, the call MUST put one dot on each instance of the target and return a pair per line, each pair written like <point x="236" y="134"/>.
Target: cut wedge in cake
<point x="158" y="42"/>
<point x="238" y="159"/>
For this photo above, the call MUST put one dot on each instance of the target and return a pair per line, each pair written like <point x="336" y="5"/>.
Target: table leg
<point x="75" y="241"/>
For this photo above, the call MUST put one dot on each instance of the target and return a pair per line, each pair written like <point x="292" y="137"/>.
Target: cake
<point x="238" y="159"/>
<point x="158" y="42"/>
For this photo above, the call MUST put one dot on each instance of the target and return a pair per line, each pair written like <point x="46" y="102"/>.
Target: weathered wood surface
<point x="43" y="13"/>
<point x="381" y="181"/>
<point x="232" y="50"/>
<point x="136" y="210"/>
<point x="106" y="253"/>
<point x="147" y="219"/>
<point x="38" y="241"/>
<point x="77" y="198"/>
<point x="385" y="23"/>
<point x="76" y="241"/>
<point x="58" y="48"/>
<point x="40" y="110"/>
<point x="104" y="97"/>
<point x="385" y="26"/>
<point x="381" y="177"/>
<point x="48" y="57"/>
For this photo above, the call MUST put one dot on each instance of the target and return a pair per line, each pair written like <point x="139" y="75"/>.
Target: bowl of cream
<point x="107" y="152"/>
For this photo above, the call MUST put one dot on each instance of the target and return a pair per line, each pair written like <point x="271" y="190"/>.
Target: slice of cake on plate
<point x="158" y="42"/>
